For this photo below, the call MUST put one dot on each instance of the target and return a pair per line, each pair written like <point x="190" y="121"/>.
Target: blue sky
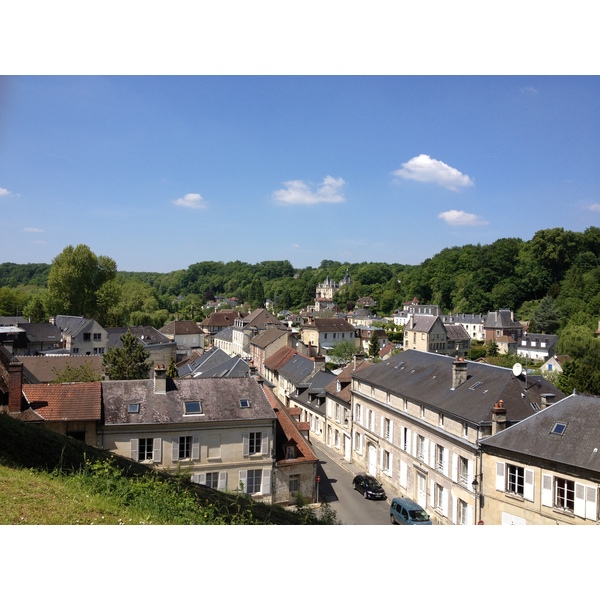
<point x="160" y="172"/>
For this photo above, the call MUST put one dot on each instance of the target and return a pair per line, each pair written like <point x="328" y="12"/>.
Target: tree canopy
<point x="127" y="362"/>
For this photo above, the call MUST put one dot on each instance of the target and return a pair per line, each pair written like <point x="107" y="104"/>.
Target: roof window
<point x="192" y="407"/>
<point x="244" y="403"/>
<point x="558" y="428"/>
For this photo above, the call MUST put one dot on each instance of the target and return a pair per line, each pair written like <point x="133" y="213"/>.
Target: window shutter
<point x="546" y="490"/>
<point x="470" y="475"/>
<point x="408" y="446"/>
<point x="156" y="450"/>
<point x="246" y="444"/>
<point x="382" y="427"/>
<point x="432" y="498"/>
<point x="264" y="444"/>
<point x="202" y="478"/>
<point x="222" y="480"/>
<point x="445" y="502"/>
<point x="134" y="448"/>
<point x="579" y="508"/>
<point x="431" y="454"/>
<point x="500" y="468"/>
<point x="469" y="514"/>
<point x="403" y="474"/>
<point x="454" y="467"/>
<point x="381" y="458"/>
<point x="591" y="503"/>
<point x="391" y="431"/>
<point x="446" y="463"/>
<point x="175" y="449"/>
<point x="454" y="508"/>
<point x="243" y="480"/>
<point x="528" y="489"/>
<point x="265" y="487"/>
<point x="195" y="448"/>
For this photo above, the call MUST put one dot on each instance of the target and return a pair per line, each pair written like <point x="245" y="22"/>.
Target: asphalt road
<point x="335" y="488"/>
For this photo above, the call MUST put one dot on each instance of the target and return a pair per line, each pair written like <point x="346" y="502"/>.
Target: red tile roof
<point x="65" y="401"/>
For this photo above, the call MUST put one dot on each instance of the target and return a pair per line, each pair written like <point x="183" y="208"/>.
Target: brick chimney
<point x="15" y="385"/>
<point x="498" y="417"/>
<point x="160" y="379"/>
<point x="459" y="372"/>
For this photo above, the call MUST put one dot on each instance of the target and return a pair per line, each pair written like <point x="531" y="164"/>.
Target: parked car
<point x="369" y="487"/>
<point x="404" y="511"/>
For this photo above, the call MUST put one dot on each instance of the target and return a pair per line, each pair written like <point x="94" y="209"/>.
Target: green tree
<point x="129" y="361"/>
<point x="342" y="352"/>
<point x="374" y="346"/>
<point x="545" y="318"/>
<point x="83" y="373"/>
<point x="172" y="369"/>
<point x="75" y="279"/>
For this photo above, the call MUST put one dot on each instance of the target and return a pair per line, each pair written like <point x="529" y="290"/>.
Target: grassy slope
<point x="44" y="480"/>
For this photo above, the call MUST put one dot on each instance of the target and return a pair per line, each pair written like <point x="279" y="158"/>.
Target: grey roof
<point x="314" y="397"/>
<point x="72" y="326"/>
<point x="421" y="323"/>
<point x="427" y="378"/>
<point x="225" y="335"/>
<point x="500" y="319"/>
<point x="456" y="332"/>
<point x="528" y="341"/>
<point x="463" y="318"/>
<point x="234" y="366"/>
<point x="219" y="398"/>
<point x="147" y="336"/>
<point x="42" y="332"/>
<point x="297" y="369"/>
<point x="206" y="361"/>
<point x="532" y="438"/>
<point x="262" y="340"/>
<point x="333" y="324"/>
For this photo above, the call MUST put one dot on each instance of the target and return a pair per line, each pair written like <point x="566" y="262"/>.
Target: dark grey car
<point x="369" y="487"/>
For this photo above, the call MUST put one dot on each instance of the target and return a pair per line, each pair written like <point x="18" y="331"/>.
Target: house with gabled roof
<point x="274" y="363"/>
<point x="500" y="324"/>
<point x="220" y="431"/>
<point x="81" y="335"/>
<point x="187" y="335"/>
<point x="545" y="470"/>
<point x="161" y="349"/>
<point x="219" y="320"/>
<point x="266" y="343"/>
<point x="537" y="346"/>
<point x="246" y="328"/>
<point x="322" y="334"/>
<point x="418" y="418"/>
<point x="46" y="368"/>
<point x="555" y="363"/>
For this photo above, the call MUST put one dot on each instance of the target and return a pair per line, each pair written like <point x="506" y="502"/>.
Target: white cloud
<point x="32" y="230"/>
<point x="429" y="170"/>
<point x="459" y="218"/>
<point x="594" y="207"/>
<point x="529" y="90"/>
<point x="191" y="201"/>
<point x="4" y="192"/>
<point x="295" y="245"/>
<point x="298" y="192"/>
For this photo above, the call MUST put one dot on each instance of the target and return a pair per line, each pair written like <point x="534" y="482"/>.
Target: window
<point x="559" y="428"/>
<point x="370" y="420"/>
<point x="98" y="350"/>
<point x="387" y="429"/>
<point x="358" y="442"/>
<point x="420" y="447"/>
<point x="440" y="458"/>
<point x="192" y="408"/>
<point x="290" y="452"/>
<point x="404" y="404"/>
<point x="337" y="412"/>
<point x="564" y="494"/>
<point x="244" y="403"/>
<point x="87" y="337"/>
<point x="134" y="407"/>
<point x="294" y="484"/>
<point x="254" y="440"/>
<point x="465" y="430"/>
<point x="422" y="412"/>
<point x="405" y="439"/>
<point x="145" y="449"/>
<point x="253" y="479"/>
<point x="97" y="337"/>
<point x="212" y="480"/>
<point x="185" y="447"/>
<point x="438" y="497"/>
<point x="441" y="420"/>
<point x="359" y="413"/>
<point x="386" y="462"/>
<point x="462" y="511"/>
<point x="515" y="480"/>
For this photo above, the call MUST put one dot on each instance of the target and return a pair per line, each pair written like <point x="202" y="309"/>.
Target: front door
<point x="347" y="447"/>
<point x="421" y="490"/>
<point x="372" y="451"/>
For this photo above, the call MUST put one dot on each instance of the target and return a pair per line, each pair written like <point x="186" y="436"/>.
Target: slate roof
<point x="65" y="401"/>
<point x="146" y="335"/>
<point x="297" y="369"/>
<point x="38" y="333"/>
<point x="421" y="323"/>
<point x="500" y="319"/>
<point x="259" y="318"/>
<point x="208" y="360"/>
<point x="345" y="379"/>
<point x="44" y="369"/>
<point x="532" y="438"/>
<point x="234" y="366"/>
<point x="219" y="398"/>
<point x="72" y="326"/>
<point x="331" y="325"/>
<point x="221" y="318"/>
<point x="456" y="332"/>
<point x="427" y="378"/>
<point x="537" y="339"/>
<point x="313" y="397"/>
<point x="181" y="328"/>
<point x="225" y="335"/>
<point x="262" y="340"/>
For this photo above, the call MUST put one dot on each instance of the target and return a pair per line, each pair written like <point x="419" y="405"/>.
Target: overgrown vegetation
<point x="46" y="478"/>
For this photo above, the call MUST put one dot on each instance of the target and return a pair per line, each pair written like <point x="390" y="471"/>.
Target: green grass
<point x="49" y="479"/>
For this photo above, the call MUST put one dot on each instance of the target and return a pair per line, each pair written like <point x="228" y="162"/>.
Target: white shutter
<point x="134" y="445"/>
<point x="445" y="502"/>
<point x="446" y="463"/>
<point x="528" y="488"/>
<point x="264" y="444"/>
<point x="431" y="454"/>
<point x="195" y="448"/>
<point x="546" y="490"/>
<point x="175" y="449"/>
<point x="156" y="450"/>
<point x="265" y="487"/>
<point x="222" y="485"/>
<point x="403" y="474"/>
<point x="202" y="478"/>
<point x="414" y="445"/>
<point x="454" y="467"/>
<point x="246" y="444"/>
<point x="391" y="431"/>
<point x="591" y="511"/>
<point x="408" y="446"/>
<point x="382" y="427"/>
<point x="579" y="508"/>
<point x="432" y="495"/>
<point x="381" y="459"/>
<point x="500" y="468"/>
<point x="243" y="480"/>
<point x="454" y="508"/>
<point x="469" y="514"/>
<point x="470" y="475"/>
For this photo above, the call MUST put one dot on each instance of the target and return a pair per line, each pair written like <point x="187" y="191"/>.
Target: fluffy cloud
<point x="298" y="192"/>
<point x="190" y="201"/>
<point x="460" y="217"/>
<point x="32" y="230"/>
<point x="4" y="192"/>
<point x="594" y="207"/>
<point x="429" y="170"/>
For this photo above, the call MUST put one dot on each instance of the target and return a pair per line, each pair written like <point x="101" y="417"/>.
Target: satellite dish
<point x="517" y="369"/>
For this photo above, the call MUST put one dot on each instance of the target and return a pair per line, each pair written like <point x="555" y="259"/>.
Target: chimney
<point x="547" y="399"/>
<point x="319" y="363"/>
<point x="459" y="372"/>
<point x="160" y="379"/>
<point x="15" y="385"/>
<point x="358" y="358"/>
<point x="498" y="417"/>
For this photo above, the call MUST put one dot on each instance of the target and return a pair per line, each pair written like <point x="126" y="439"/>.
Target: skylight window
<point x="559" y="428"/>
<point x="476" y="385"/>
<point x="133" y="408"/>
<point x="244" y="403"/>
<point x="192" y="408"/>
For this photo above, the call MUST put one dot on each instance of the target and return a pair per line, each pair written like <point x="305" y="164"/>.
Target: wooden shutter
<point x="546" y="490"/>
<point x="246" y="444"/>
<point x="579" y="508"/>
<point x="431" y="461"/>
<point x="470" y="476"/>
<point x="585" y="501"/>
<point x="469" y="514"/>
<point x="265" y="486"/>
<point x="528" y="488"/>
<point x="391" y="431"/>
<point x="500" y="481"/>
<point x="264" y="441"/>
<point x="454" y="467"/>
<point x="195" y="448"/>
<point x="403" y="474"/>
<point x="175" y="449"/>
<point x="222" y="480"/>
<point x="445" y="501"/>
<point x="202" y="478"/>
<point x="134" y="445"/>
<point x="243" y="480"/>
<point x="156" y="450"/>
<point x="454" y="509"/>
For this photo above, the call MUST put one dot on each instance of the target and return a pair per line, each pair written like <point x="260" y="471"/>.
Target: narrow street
<point x="335" y="487"/>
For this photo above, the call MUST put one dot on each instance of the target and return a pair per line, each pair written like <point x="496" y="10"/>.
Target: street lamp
<point x="478" y="498"/>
